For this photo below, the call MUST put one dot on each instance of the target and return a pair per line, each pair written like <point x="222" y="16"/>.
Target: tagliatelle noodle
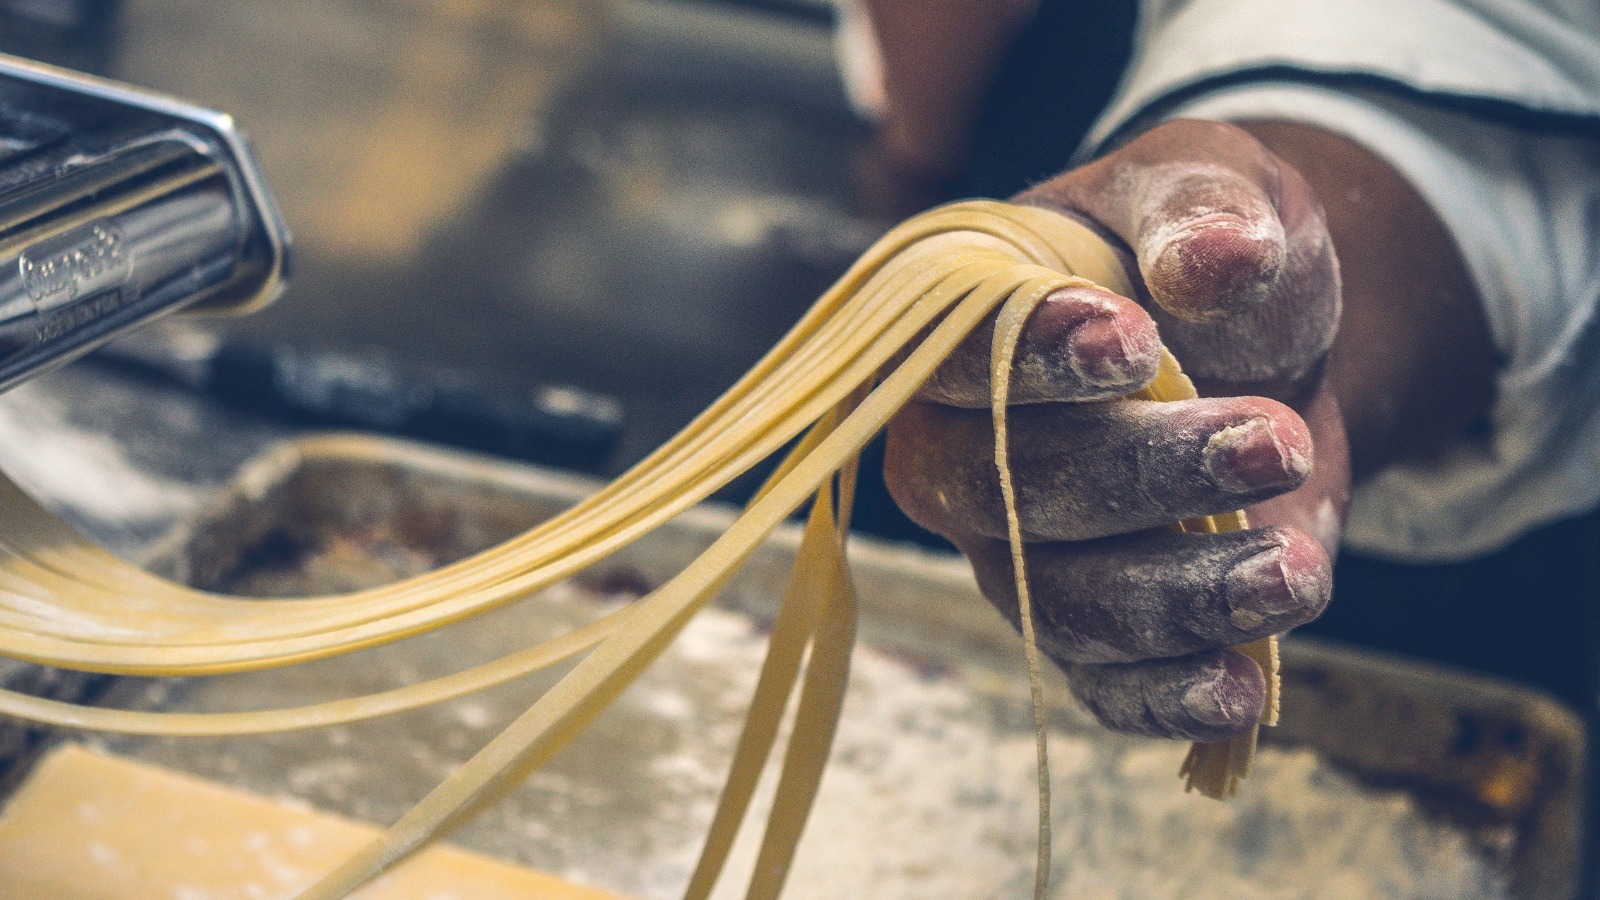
<point x="832" y="383"/>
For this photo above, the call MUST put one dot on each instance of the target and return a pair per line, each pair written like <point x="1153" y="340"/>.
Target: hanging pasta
<point x="827" y="388"/>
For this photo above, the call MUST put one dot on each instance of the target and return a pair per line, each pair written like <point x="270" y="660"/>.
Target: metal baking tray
<point x="1498" y="765"/>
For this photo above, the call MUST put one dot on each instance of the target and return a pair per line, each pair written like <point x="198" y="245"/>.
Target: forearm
<point x="1413" y="365"/>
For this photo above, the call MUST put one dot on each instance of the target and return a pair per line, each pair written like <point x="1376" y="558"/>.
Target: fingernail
<point x="1217" y="701"/>
<point x="1260" y="588"/>
<point x="1249" y="456"/>
<point x="1207" y="266"/>
<point x="1102" y="355"/>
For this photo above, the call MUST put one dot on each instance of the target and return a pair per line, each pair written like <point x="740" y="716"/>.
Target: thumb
<point x="1230" y="247"/>
<point x="1208" y="240"/>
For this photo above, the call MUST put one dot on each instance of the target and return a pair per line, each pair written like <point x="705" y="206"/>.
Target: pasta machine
<point x="119" y="206"/>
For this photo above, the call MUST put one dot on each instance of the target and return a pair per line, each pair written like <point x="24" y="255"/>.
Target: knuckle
<point x="936" y="468"/>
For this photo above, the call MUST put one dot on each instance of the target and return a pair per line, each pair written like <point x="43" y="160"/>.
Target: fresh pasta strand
<point x="1007" y="332"/>
<point x="827" y="387"/>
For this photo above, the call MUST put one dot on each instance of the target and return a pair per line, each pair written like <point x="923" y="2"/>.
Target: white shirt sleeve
<point x="1491" y="110"/>
<point x="1508" y="55"/>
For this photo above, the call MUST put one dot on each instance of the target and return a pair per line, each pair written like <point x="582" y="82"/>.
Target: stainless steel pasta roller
<point x="118" y="206"/>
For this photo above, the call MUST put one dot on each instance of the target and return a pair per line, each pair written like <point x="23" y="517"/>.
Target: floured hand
<point x="1238" y="278"/>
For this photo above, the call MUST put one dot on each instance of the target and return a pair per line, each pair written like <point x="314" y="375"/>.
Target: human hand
<point x="1237" y="275"/>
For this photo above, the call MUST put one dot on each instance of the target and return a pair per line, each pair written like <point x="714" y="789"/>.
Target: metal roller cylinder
<point x="117" y="207"/>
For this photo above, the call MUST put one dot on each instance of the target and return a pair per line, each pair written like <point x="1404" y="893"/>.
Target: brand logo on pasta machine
<point x="75" y="278"/>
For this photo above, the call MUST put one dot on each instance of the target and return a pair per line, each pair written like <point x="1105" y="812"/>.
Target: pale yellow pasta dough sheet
<point x="87" y="826"/>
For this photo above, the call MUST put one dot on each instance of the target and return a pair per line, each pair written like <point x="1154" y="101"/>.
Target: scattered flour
<point x="82" y="473"/>
<point x="930" y="792"/>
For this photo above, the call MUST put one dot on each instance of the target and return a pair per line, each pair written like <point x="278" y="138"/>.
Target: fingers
<point x="1086" y="471"/>
<point x="1231" y="246"/>
<point x="1160" y="595"/>
<point x="1140" y="623"/>
<point x="1080" y="344"/>
<point x="1207" y="697"/>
